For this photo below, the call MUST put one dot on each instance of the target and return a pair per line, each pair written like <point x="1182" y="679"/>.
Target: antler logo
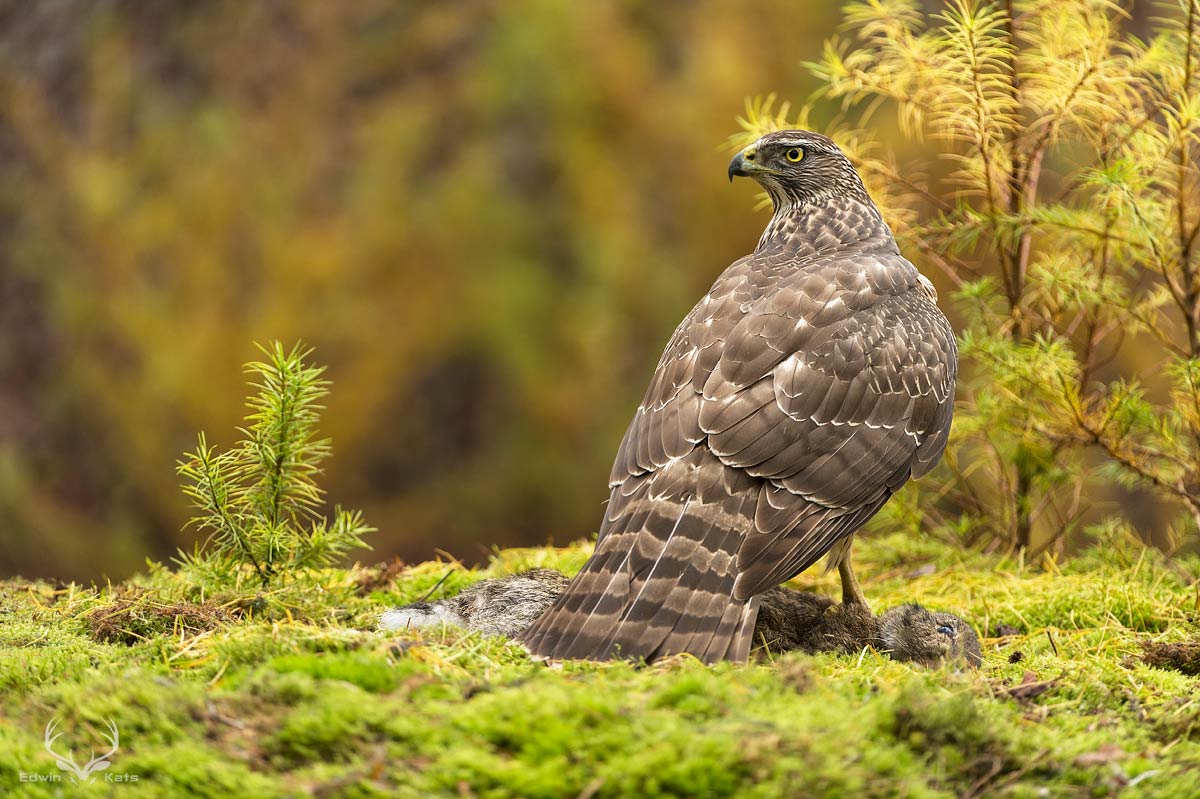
<point x="95" y="762"/>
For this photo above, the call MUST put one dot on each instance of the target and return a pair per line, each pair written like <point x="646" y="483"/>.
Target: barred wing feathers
<point x="788" y="406"/>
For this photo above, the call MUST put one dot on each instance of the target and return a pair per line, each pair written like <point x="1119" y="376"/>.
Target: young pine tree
<point x="259" y="501"/>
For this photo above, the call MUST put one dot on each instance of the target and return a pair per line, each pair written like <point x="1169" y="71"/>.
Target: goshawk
<point x="813" y="380"/>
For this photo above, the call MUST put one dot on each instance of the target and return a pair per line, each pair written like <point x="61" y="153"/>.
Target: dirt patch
<point x="1028" y="689"/>
<point x="130" y="621"/>
<point x="1182" y="656"/>
<point x="381" y="575"/>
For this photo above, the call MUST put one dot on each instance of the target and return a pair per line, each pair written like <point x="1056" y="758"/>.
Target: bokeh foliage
<point x="486" y="218"/>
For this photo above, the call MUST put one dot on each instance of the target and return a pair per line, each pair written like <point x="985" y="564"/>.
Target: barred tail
<point x="661" y="580"/>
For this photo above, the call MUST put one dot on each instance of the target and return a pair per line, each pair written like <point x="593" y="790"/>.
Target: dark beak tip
<point x="736" y="166"/>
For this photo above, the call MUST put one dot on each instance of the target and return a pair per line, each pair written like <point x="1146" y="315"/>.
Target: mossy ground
<point x="294" y="694"/>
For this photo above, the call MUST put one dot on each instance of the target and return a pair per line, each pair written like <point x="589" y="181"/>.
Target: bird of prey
<point x="813" y="380"/>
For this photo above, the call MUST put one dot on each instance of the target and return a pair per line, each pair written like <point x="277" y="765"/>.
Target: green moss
<point x="334" y="723"/>
<point x="369" y="674"/>
<point x="293" y="693"/>
<point x="189" y="770"/>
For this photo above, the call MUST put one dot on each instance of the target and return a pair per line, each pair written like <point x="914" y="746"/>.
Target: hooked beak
<point x="743" y="164"/>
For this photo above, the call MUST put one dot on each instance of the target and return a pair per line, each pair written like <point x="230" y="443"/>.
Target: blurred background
<point x="487" y="217"/>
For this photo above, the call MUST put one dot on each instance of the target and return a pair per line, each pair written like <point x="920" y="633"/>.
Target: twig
<point x="436" y="586"/>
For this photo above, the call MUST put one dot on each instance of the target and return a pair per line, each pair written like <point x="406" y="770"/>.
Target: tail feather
<point x="662" y="578"/>
<point x="601" y="590"/>
<point x="707" y="607"/>
<point x="603" y="580"/>
<point x="723" y="641"/>
<point x="743" y="638"/>
<point x="684" y="613"/>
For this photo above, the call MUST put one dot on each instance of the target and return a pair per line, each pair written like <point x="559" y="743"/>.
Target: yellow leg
<point x="851" y="592"/>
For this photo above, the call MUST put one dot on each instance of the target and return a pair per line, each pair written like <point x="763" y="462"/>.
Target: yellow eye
<point x="794" y="154"/>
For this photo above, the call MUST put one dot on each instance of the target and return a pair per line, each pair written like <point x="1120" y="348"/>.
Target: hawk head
<point x="797" y="166"/>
